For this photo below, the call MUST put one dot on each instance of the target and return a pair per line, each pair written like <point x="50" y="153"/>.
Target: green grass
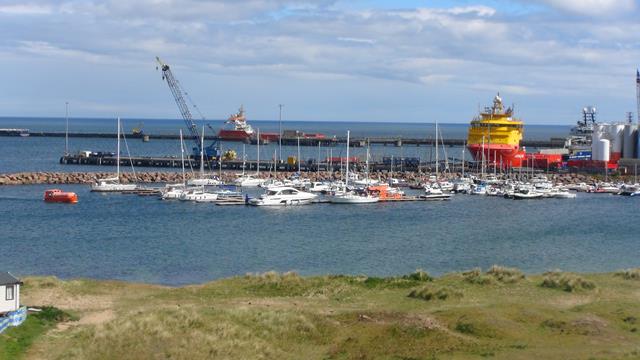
<point x="14" y="341"/>
<point x="499" y="314"/>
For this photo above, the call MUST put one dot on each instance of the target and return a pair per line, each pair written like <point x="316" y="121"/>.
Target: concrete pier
<point x="354" y="142"/>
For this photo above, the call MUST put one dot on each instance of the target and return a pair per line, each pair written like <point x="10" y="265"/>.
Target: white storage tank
<point x="599" y="132"/>
<point x="616" y="136"/>
<point x="638" y="145"/>
<point x="603" y="152"/>
<point x="630" y="141"/>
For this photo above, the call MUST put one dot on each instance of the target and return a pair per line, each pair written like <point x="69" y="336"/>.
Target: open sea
<point x="144" y="239"/>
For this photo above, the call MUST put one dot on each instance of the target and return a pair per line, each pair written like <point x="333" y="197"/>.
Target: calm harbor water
<point x="145" y="239"/>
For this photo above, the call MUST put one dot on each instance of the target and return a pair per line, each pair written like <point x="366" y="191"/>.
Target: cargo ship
<point x="241" y="130"/>
<point x="494" y="136"/>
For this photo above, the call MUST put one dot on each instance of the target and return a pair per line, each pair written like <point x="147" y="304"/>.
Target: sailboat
<point x="250" y="180"/>
<point x="366" y="181"/>
<point x="113" y="184"/>
<point x="434" y="192"/>
<point x="347" y="196"/>
<point x="203" y="180"/>
<point x="174" y="191"/>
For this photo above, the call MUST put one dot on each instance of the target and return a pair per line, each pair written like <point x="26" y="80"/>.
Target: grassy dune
<point x="478" y="314"/>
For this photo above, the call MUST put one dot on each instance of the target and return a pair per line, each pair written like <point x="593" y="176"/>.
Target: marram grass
<point x="498" y="313"/>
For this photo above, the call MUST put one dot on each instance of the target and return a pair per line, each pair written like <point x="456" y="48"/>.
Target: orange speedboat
<point x="385" y="193"/>
<point x="59" y="196"/>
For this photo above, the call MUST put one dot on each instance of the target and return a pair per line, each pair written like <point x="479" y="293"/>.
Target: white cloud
<point x="475" y="48"/>
<point x="25" y="9"/>
<point x="594" y="7"/>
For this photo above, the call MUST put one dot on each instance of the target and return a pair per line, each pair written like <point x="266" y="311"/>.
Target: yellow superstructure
<point x="496" y="126"/>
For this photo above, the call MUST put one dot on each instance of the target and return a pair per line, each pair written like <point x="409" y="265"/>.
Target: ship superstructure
<point x="494" y="136"/>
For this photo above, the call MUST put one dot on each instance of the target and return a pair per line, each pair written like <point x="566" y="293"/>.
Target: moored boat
<point x="59" y="196"/>
<point x="282" y="196"/>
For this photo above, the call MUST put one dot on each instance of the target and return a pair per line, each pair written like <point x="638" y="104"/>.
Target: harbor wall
<point x="61" y="178"/>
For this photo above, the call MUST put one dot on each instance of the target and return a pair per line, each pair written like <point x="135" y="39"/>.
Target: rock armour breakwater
<point x="31" y="178"/>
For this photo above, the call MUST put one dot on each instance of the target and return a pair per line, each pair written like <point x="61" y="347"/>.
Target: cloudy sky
<point x="360" y="60"/>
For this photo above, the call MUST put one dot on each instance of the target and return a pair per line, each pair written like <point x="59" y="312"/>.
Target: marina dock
<point x="410" y="164"/>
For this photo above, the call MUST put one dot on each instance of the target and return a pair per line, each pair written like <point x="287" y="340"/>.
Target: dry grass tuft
<point x="566" y="282"/>
<point x="475" y="276"/>
<point x="505" y="275"/>
<point x="629" y="274"/>
<point x="429" y="293"/>
<point x="418" y="275"/>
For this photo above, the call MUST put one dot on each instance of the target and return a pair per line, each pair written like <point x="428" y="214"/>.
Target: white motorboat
<point x="205" y="181"/>
<point x="173" y="192"/>
<point x="525" y="194"/>
<point x="219" y="196"/>
<point x="353" y="198"/>
<point x="320" y="187"/>
<point x="479" y="190"/>
<point x="113" y="184"/>
<point x="434" y="193"/>
<point x="249" y="181"/>
<point x="366" y="182"/>
<point x="283" y="196"/>
<point x="561" y="194"/>
<point x="272" y="182"/>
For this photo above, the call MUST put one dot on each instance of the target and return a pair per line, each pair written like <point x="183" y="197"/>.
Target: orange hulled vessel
<point x="494" y="136"/>
<point x="59" y="196"/>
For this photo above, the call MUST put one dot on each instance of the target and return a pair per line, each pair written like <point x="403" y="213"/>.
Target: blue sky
<point x="376" y="60"/>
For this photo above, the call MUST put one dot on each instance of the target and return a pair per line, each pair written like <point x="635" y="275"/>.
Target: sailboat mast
<point x="298" y="154"/>
<point x="118" y="153"/>
<point x="437" y="151"/>
<point x="318" y="161"/>
<point x="258" y="160"/>
<point x="368" y="145"/>
<point x="66" y="132"/>
<point x="346" y="181"/>
<point x="202" y="154"/>
<point x="184" y="180"/>
<point x="464" y="145"/>
<point x="244" y="158"/>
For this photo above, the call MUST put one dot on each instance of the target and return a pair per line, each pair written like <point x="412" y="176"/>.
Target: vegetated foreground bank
<point x="498" y="313"/>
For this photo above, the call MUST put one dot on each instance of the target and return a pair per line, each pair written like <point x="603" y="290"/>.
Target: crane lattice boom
<point x="176" y="91"/>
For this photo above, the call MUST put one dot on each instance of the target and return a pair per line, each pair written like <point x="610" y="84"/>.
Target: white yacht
<point x="319" y="187"/>
<point x="113" y="184"/>
<point x="248" y="181"/>
<point x="220" y="195"/>
<point x="205" y="181"/>
<point x="281" y="196"/>
<point x="525" y="193"/>
<point x="353" y="198"/>
<point x="434" y="193"/>
<point x="174" y="191"/>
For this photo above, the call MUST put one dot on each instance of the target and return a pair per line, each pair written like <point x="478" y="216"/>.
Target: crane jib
<point x="209" y="151"/>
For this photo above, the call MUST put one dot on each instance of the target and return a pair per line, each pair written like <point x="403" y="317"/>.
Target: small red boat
<point x="59" y="196"/>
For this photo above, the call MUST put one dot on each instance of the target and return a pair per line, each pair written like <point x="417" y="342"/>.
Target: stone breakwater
<point x="29" y="178"/>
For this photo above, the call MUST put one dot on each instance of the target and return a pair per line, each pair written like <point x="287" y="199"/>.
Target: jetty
<point x="293" y="141"/>
<point x="388" y="164"/>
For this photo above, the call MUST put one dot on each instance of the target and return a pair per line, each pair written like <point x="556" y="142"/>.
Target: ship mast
<point x="638" y="97"/>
